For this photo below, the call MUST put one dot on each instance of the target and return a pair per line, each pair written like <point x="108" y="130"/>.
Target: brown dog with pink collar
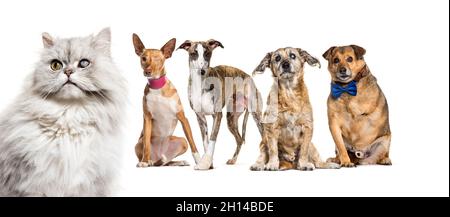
<point x="162" y="111"/>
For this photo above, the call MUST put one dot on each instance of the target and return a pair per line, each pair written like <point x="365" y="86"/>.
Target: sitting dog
<point x="162" y="111"/>
<point x="288" y="120"/>
<point x="357" y="110"/>
<point x="209" y="99"/>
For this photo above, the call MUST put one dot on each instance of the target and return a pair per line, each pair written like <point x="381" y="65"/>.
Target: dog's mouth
<point x="286" y="74"/>
<point x="343" y="78"/>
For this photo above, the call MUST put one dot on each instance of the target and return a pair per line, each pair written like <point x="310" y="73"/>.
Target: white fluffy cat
<point x="61" y="136"/>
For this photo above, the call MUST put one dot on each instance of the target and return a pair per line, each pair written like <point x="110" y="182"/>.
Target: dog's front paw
<point x="273" y="165"/>
<point x="385" y="161"/>
<point x="257" y="167"/>
<point x="142" y="165"/>
<point x="333" y="160"/>
<point x="205" y="163"/>
<point x="197" y="158"/>
<point x="305" y="166"/>
<point x="347" y="164"/>
<point x="333" y="165"/>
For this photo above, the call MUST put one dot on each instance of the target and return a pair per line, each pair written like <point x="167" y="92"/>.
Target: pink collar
<point x="157" y="83"/>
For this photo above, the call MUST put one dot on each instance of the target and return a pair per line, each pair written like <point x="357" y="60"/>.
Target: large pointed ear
<point x="138" y="45"/>
<point x="47" y="40"/>
<point x="186" y="45"/>
<point x="102" y="40"/>
<point x="312" y="61"/>
<point x="359" y="51"/>
<point x="169" y="47"/>
<point x="213" y="44"/>
<point x="265" y="63"/>
<point x="328" y="53"/>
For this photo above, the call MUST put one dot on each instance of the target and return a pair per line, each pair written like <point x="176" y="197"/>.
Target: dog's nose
<point x="202" y="71"/>
<point x="285" y="65"/>
<point x="343" y="70"/>
<point x="68" y="72"/>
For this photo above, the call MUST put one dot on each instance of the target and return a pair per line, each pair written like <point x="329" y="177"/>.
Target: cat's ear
<point x="103" y="40"/>
<point x="47" y="40"/>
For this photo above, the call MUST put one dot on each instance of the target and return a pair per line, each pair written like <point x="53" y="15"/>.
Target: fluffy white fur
<point x="61" y="139"/>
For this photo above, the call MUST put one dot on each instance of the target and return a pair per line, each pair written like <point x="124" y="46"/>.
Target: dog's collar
<point x="157" y="83"/>
<point x="361" y="74"/>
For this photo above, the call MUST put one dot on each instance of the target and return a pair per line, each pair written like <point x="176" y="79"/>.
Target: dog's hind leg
<point x="379" y="152"/>
<point x="176" y="146"/>
<point x="139" y="147"/>
<point x="232" y="121"/>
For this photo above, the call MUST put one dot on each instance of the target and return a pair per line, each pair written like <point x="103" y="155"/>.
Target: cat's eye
<point x="84" y="63"/>
<point x="336" y="60"/>
<point x="56" y="65"/>
<point x="278" y="58"/>
<point x="349" y="59"/>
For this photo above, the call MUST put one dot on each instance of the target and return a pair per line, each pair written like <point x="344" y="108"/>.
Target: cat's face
<point x="74" y="68"/>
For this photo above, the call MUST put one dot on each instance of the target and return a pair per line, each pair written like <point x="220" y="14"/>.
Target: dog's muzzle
<point x="343" y="74"/>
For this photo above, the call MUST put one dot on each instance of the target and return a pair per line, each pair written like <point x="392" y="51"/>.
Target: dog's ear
<point x="265" y="63"/>
<point x="138" y="45"/>
<point x="168" y="48"/>
<point x="327" y="53"/>
<point x="186" y="45"/>
<point x="312" y="61"/>
<point x="213" y="44"/>
<point x="359" y="51"/>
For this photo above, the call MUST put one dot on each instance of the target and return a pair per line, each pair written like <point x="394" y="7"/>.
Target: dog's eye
<point x="349" y="59"/>
<point x="56" y="65"/>
<point x="292" y="56"/>
<point x="84" y="63"/>
<point x="336" y="60"/>
<point x="144" y="59"/>
<point x="278" y="58"/>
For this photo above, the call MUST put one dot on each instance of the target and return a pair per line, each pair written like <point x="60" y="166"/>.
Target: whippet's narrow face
<point x="286" y="63"/>
<point x="200" y="53"/>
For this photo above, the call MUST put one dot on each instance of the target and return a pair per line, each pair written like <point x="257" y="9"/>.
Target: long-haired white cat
<point x="61" y="135"/>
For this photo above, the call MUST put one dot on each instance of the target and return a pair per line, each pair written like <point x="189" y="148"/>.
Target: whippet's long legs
<point x="203" y="129"/>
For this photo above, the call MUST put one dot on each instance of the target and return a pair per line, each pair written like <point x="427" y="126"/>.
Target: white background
<point x="407" y="50"/>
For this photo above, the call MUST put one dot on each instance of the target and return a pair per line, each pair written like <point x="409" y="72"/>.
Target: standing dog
<point x="162" y="111"/>
<point x="205" y="101"/>
<point x="288" y="120"/>
<point x="357" y="110"/>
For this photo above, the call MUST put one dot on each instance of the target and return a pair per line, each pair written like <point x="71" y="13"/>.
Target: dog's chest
<point x="163" y="110"/>
<point x="292" y="126"/>
<point x="202" y="101"/>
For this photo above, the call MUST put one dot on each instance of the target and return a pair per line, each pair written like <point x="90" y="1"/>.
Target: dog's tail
<point x="317" y="161"/>
<point x="244" y="125"/>
<point x="257" y="114"/>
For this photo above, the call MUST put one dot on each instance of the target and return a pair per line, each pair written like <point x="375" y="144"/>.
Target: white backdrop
<point x="407" y="46"/>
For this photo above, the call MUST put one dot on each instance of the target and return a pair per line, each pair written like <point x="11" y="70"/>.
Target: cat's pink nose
<point x="68" y="72"/>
